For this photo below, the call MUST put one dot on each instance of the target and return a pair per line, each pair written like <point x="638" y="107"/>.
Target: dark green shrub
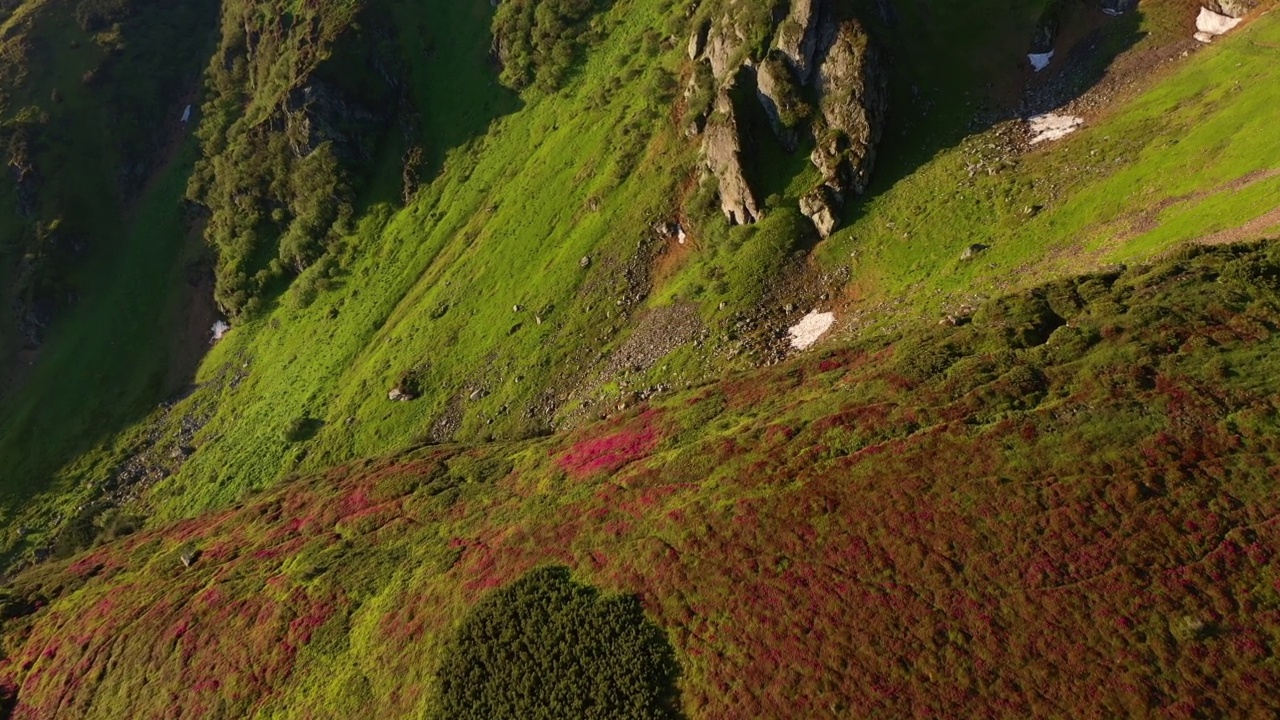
<point x="1067" y="343"/>
<point x="539" y="41"/>
<point x="483" y="469"/>
<point x="922" y="360"/>
<point x="299" y="429"/>
<point x="793" y="109"/>
<point x="1021" y="321"/>
<point x="547" y="647"/>
<point x="701" y="92"/>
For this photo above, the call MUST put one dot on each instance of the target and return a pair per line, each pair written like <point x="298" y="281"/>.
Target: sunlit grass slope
<point x="478" y="285"/>
<point x="435" y="286"/>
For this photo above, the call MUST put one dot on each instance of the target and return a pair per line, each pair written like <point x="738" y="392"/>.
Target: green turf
<point x="524" y="187"/>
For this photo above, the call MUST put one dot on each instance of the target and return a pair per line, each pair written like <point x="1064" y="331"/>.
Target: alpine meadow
<point x="639" y="359"/>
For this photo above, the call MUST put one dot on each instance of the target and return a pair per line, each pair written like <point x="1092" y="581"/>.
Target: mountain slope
<point x="477" y="295"/>
<point x="1000" y="519"/>
<point x="509" y="294"/>
<point x="469" y="249"/>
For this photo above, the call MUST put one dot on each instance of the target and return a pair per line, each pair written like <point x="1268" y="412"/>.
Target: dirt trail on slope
<point x="1266" y="224"/>
<point x="1134" y="224"/>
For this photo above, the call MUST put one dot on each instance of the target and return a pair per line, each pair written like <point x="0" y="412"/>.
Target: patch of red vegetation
<point x="98" y="562"/>
<point x="610" y="453"/>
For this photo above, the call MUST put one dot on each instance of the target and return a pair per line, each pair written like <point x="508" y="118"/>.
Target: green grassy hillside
<point x="500" y="217"/>
<point x="475" y="292"/>
<point x="1065" y="506"/>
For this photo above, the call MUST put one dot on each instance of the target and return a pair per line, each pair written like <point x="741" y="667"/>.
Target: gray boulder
<point x="726" y="40"/>
<point x="317" y="113"/>
<point x="1235" y="8"/>
<point x="781" y="100"/>
<point x="821" y="205"/>
<point x="798" y="37"/>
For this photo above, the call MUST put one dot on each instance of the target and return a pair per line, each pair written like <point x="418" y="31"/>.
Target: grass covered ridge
<point x="476" y="288"/>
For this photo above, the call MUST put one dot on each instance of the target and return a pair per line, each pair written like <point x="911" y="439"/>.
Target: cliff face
<point x="820" y="81"/>
<point x="798" y="37"/>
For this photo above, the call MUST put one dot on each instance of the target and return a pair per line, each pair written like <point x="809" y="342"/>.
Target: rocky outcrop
<point x="698" y="41"/>
<point x="780" y="98"/>
<point x="316" y="114"/>
<point x="1210" y="24"/>
<point x="816" y="54"/>
<point x="699" y="94"/>
<point x="723" y="50"/>
<point x="853" y="87"/>
<point x="798" y="37"/>
<point x="722" y="155"/>
<point x="821" y="205"/>
<point x="1234" y="8"/>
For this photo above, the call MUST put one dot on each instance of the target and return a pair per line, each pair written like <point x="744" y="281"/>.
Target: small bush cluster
<point x="299" y="429"/>
<point x="547" y="647"/>
<point x="539" y="41"/>
<point x="279" y="184"/>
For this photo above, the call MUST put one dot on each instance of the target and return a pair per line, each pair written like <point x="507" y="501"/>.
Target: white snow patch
<point x="1040" y="61"/>
<point x="1051" y="126"/>
<point x="1210" y="24"/>
<point x="810" y="328"/>
<point x="220" y="328"/>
